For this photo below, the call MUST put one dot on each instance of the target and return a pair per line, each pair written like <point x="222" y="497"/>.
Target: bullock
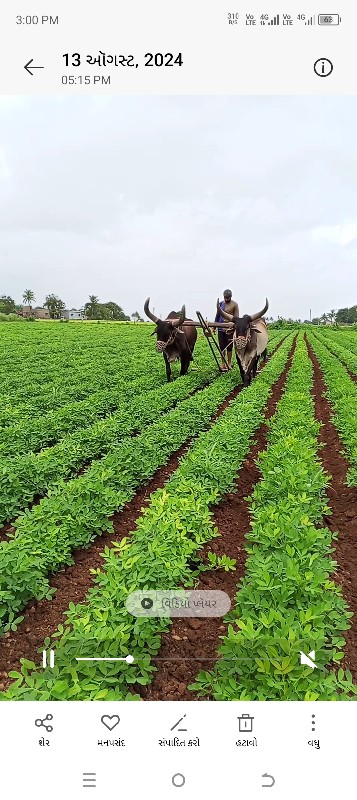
<point x="174" y="339"/>
<point x="250" y="339"/>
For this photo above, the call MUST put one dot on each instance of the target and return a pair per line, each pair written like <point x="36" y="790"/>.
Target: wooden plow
<point x="213" y="345"/>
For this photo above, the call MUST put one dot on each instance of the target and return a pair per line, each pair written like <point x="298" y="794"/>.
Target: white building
<point x="73" y="313"/>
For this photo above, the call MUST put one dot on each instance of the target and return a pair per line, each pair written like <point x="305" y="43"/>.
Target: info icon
<point x="323" y="67"/>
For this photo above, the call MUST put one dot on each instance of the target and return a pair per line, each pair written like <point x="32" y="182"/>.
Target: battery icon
<point x="329" y="19"/>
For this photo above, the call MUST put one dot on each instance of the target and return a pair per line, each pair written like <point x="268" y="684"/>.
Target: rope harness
<point x="240" y="342"/>
<point x="161" y="346"/>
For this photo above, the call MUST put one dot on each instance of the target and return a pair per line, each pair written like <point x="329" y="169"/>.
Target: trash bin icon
<point x="245" y="723"/>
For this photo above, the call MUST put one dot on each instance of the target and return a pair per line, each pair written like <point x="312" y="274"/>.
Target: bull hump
<point x="173" y="315"/>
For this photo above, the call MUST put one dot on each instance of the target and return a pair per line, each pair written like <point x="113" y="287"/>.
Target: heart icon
<point x="110" y="722"/>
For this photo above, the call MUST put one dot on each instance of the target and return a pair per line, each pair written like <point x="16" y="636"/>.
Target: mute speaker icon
<point x="309" y="659"/>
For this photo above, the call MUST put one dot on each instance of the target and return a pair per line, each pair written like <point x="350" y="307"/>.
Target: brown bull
<point x="250" y="339"/>
<point x="174" y="339"/>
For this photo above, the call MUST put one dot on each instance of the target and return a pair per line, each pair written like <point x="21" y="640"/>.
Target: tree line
<point x="93" y="309"/>
<point x="341" y="316"/>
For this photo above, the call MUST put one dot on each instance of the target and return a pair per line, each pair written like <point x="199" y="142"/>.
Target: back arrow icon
<point x="32" y="67"/>
<point x="268" y="785"/>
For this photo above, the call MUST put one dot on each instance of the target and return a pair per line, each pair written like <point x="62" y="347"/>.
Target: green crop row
<point x="50" y="382"/>
<point x="51" y="385"/>
<point x="43" y="339"/>
<point x="342" y="394"/>
<point x="74" y="390"/>
<point x="80" y="383"/>
<point x="346" y="338"/>
<point x="287" y="601"/>
<point x="76" y="512"/>
<point x="34" y="432"/>
<point x="30" y="364"/>
<point x="25" y="477"/>
<point x="61" y="385"/>
<point x="170" y="531"/>
<point x="340" y="350"/>
<point x="32" y="435"/>
<point x="55" y="384"/>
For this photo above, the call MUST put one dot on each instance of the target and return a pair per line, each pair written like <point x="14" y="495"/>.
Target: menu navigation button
<point x="269" y="781"/>
<point x="178" y="780"/>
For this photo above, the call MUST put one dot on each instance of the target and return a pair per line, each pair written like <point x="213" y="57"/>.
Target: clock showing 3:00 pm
<point x="36" y="20"/>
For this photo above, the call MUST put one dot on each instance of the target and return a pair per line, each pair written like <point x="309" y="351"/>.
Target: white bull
<point x="250" y="339"/>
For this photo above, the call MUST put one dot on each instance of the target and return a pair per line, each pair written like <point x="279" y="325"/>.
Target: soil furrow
<point x="351" y="374"/>
<point x="6" y="531"/>
<point x="41" y="618"/>
<point x="9" y="527"/>
<point x="190" y="639"/>
<point x="342" y="501"/>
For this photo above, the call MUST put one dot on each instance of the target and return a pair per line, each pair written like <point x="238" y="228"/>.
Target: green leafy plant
<point x="286" y="601"/>
<point x="169" y="533"/>
<point x="216" y="562"/>
<point x="342" y="394"/>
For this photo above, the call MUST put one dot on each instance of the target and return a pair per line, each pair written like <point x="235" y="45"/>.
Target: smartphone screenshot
<point x="178" y="400"/>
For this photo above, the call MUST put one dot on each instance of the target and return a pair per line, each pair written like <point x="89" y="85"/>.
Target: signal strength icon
<point x="310" y="21"/>
<point x="274" y="21"/>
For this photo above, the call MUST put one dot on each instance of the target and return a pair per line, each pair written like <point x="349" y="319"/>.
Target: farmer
<point x="225" y="338"/>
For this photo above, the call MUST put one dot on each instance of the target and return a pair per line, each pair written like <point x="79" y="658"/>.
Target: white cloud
<point x="338" y="234"/>
<point x="178" y="197"/>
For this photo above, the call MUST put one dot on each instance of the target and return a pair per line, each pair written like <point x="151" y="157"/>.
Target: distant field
<point x="112" y="479"/>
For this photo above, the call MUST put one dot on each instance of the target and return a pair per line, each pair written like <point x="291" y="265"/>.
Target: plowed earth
<point x="343" y="504"/>
<point x="191" y="645"/>
<point x="41" y="618"/>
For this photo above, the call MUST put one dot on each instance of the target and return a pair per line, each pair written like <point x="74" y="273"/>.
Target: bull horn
<point x="148" y="312"/>
<point x="224" y="314"/>
<point x="177" y="322"/>
<point x="260" y="313"/>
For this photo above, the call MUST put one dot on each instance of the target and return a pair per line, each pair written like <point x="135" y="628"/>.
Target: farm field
<point x="113" y="480"/>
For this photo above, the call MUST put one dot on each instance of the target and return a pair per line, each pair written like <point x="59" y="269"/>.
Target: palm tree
<point x="28" y="297"/>
<point x="332" y="315"/>
<point x="324" y="319"/>
<point x="92" y="305"/>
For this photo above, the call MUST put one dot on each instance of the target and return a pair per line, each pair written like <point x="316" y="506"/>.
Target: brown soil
<point x="6" y="531"/>
<point x="342" y="501"/>
<point x="41" y="618"/>
<point x="9" y="528"/>
<point x="191" y="644"/>
<point x="351" y="374"/>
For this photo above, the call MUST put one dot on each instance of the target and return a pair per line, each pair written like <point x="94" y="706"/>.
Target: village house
<point x="38" y="313"/>
<point x="73" y="313"/>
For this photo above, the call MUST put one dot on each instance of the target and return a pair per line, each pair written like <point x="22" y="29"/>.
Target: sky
<point x="178" y="198"/>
